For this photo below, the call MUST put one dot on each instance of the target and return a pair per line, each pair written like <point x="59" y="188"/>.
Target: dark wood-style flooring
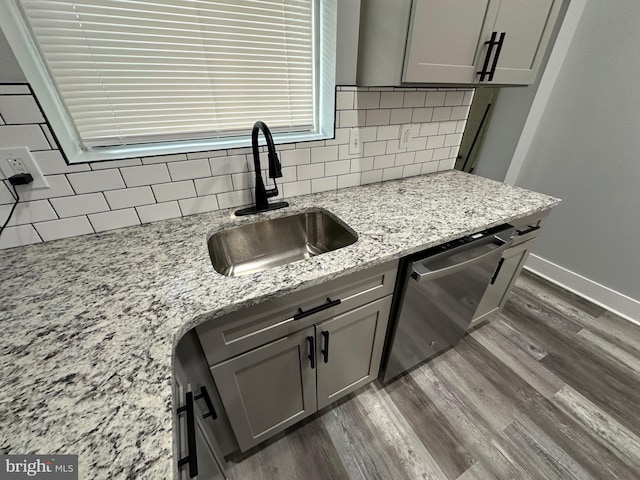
<point x="548" y="389"/>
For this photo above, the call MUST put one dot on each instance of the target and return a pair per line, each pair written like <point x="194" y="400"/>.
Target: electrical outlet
<point x="354" y="141"/>
<point x="407" y="132"/>
<point x="16" y="160"/>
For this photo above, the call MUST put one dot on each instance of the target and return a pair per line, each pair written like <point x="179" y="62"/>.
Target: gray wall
<point x="586" y="151"/>
<point x="10" y="71"/>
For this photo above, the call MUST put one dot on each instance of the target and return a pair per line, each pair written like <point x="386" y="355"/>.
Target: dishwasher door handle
<point x="421" y="273"/>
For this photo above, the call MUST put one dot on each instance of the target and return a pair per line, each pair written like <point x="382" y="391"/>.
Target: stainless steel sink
<point x="266" y="244"/>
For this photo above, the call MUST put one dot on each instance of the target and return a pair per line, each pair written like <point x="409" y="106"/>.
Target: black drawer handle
<point x="301" y="313"/>
<point x="207" y="399"/>
<point x="312" y="351"/>
<point x="497" y="272"/>
<point x="325" y="351"/>
<point x="484" y="72"/>
<point x="528" y="230"/>
<point x="495" y="58"/>
<point x="192" y="456"/>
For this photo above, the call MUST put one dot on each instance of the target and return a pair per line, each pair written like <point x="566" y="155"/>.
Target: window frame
<point x="27" y="53"/>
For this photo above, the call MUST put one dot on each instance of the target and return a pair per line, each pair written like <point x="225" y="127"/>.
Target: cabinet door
<point x="506" y="274"/>
<point x="349" y="349"/>
<point x="443" y="40"/>
<point x="527" y="25"/>
<point x="268" y="389"/>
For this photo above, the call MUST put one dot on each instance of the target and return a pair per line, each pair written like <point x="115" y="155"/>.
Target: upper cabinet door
<point x="527" y="25"/>
<point x="443" y="40"/>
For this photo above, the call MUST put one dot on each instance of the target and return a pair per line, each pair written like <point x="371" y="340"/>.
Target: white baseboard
<point x="616" y="302"/>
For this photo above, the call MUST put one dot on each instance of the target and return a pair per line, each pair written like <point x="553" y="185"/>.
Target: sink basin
<point x="266" y="244"/>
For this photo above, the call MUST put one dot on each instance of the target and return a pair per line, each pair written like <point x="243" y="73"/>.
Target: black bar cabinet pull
<point x="330" y="303"/>
<point x="528" y="230"/>
<point x="497" y="272"/>
<point x="192" y="457"/>
<point x="495" y="59"/>
<point x="325" y="351"/>
<point x="312" y="351"/>
<point x="491" y="43"/>
<point x="207" y="399"/>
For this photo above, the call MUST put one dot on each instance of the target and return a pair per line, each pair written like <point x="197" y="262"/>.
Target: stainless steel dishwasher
<point x="437" y="293"/>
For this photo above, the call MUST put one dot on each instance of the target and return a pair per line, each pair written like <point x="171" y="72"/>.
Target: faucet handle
<point x="275" y="169"/>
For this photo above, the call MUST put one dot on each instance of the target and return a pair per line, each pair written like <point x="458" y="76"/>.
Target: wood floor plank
<point x="569" y="435"/>
<point x="396" y="433"/>
<point x="611" y="350"/>
<point x="621" y="440"/>
<point x="430" y="425"/>
<point x="532" y="371"/>
<point x="518" y="338"/>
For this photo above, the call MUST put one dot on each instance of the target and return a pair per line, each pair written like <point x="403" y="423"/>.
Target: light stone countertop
<point x="89" y="324"/>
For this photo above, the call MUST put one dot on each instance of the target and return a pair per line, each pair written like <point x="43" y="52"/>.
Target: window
<point x="146" y="77"/>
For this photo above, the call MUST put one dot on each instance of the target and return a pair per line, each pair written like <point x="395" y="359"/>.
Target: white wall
<point x="585" y="150"/>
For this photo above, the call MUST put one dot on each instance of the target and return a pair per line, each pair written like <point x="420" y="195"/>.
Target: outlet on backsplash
<point x="17" y="160"/>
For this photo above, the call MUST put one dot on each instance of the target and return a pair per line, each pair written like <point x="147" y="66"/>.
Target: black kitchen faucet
<point x="275" y="171"/>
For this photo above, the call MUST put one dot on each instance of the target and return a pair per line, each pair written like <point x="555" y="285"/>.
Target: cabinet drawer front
<point x="528" y="227"/>
<point x="268" y="389"/>
<point x="249" y="328"/>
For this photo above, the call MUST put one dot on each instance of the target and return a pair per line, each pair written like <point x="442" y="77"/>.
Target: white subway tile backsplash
<point x="384" y="161"/>
<point x="80" y="205"/>
<point x="414" y="99"/>
<point x="372" y="149"/>
<point x="158" y="211"/>
<point x="421" y="115"/>
<point x="20" y="109"/>
<point x="378" y="117"/>
<point x="88" y="182"/>
<point x="314" y="170"/>
<point x="58" y="187"/>
<point x="28" y="212"/>
<point x="324" y="184"/>
<point x="296" y="188"/>
<point x="429" y="167"/>
<point x="391" y="99"/>
<point x="191" y="206"/>
<point x="349" y="180"/>
<point x="30" y="136"/>
<point x="454" y="98"/>
<point x="411" y="170"/>
<point x="446" y="164"/>
<point x="165" y="192"/>
<point x="130" y="197"/>
<point x="299" y="156"/>
<point x="52" y="162"/>
<point x="441" y="153"/>
<point x="341" y="167"/>
<point x="324" y="154"/>
<point x="64" y="228"/>
<point x="400" y="115"/>
<point x="441" y="114"/>
<point x="213" y="185"/>
<point x="189" y="169"/>
<point x="127" y="162"/>
<point x="145" y="175"/>
<point x="20" y="235"/>
<point x="372" y="176"/>
<point x="224" y="178"/>
<point x="114" y="219"/>
<point x="367" y="100"/>
<point x="234" y="199"/>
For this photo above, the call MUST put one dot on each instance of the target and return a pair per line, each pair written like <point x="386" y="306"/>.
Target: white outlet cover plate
<point x="39" y="181"/>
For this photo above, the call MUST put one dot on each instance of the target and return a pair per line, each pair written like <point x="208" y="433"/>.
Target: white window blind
<point x="137" y="71"/>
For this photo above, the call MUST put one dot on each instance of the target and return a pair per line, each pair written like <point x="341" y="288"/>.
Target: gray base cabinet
<point x="510" y="266"/>
<point x="276" y="363"/>
<point x="270" y="388"/>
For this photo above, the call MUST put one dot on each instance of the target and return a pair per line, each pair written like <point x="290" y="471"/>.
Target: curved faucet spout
<point x="275" y="171"/>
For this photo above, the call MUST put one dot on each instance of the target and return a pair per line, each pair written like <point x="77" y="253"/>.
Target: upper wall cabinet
<point x="461" y="42"/>
<point x="488" y="41"/>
